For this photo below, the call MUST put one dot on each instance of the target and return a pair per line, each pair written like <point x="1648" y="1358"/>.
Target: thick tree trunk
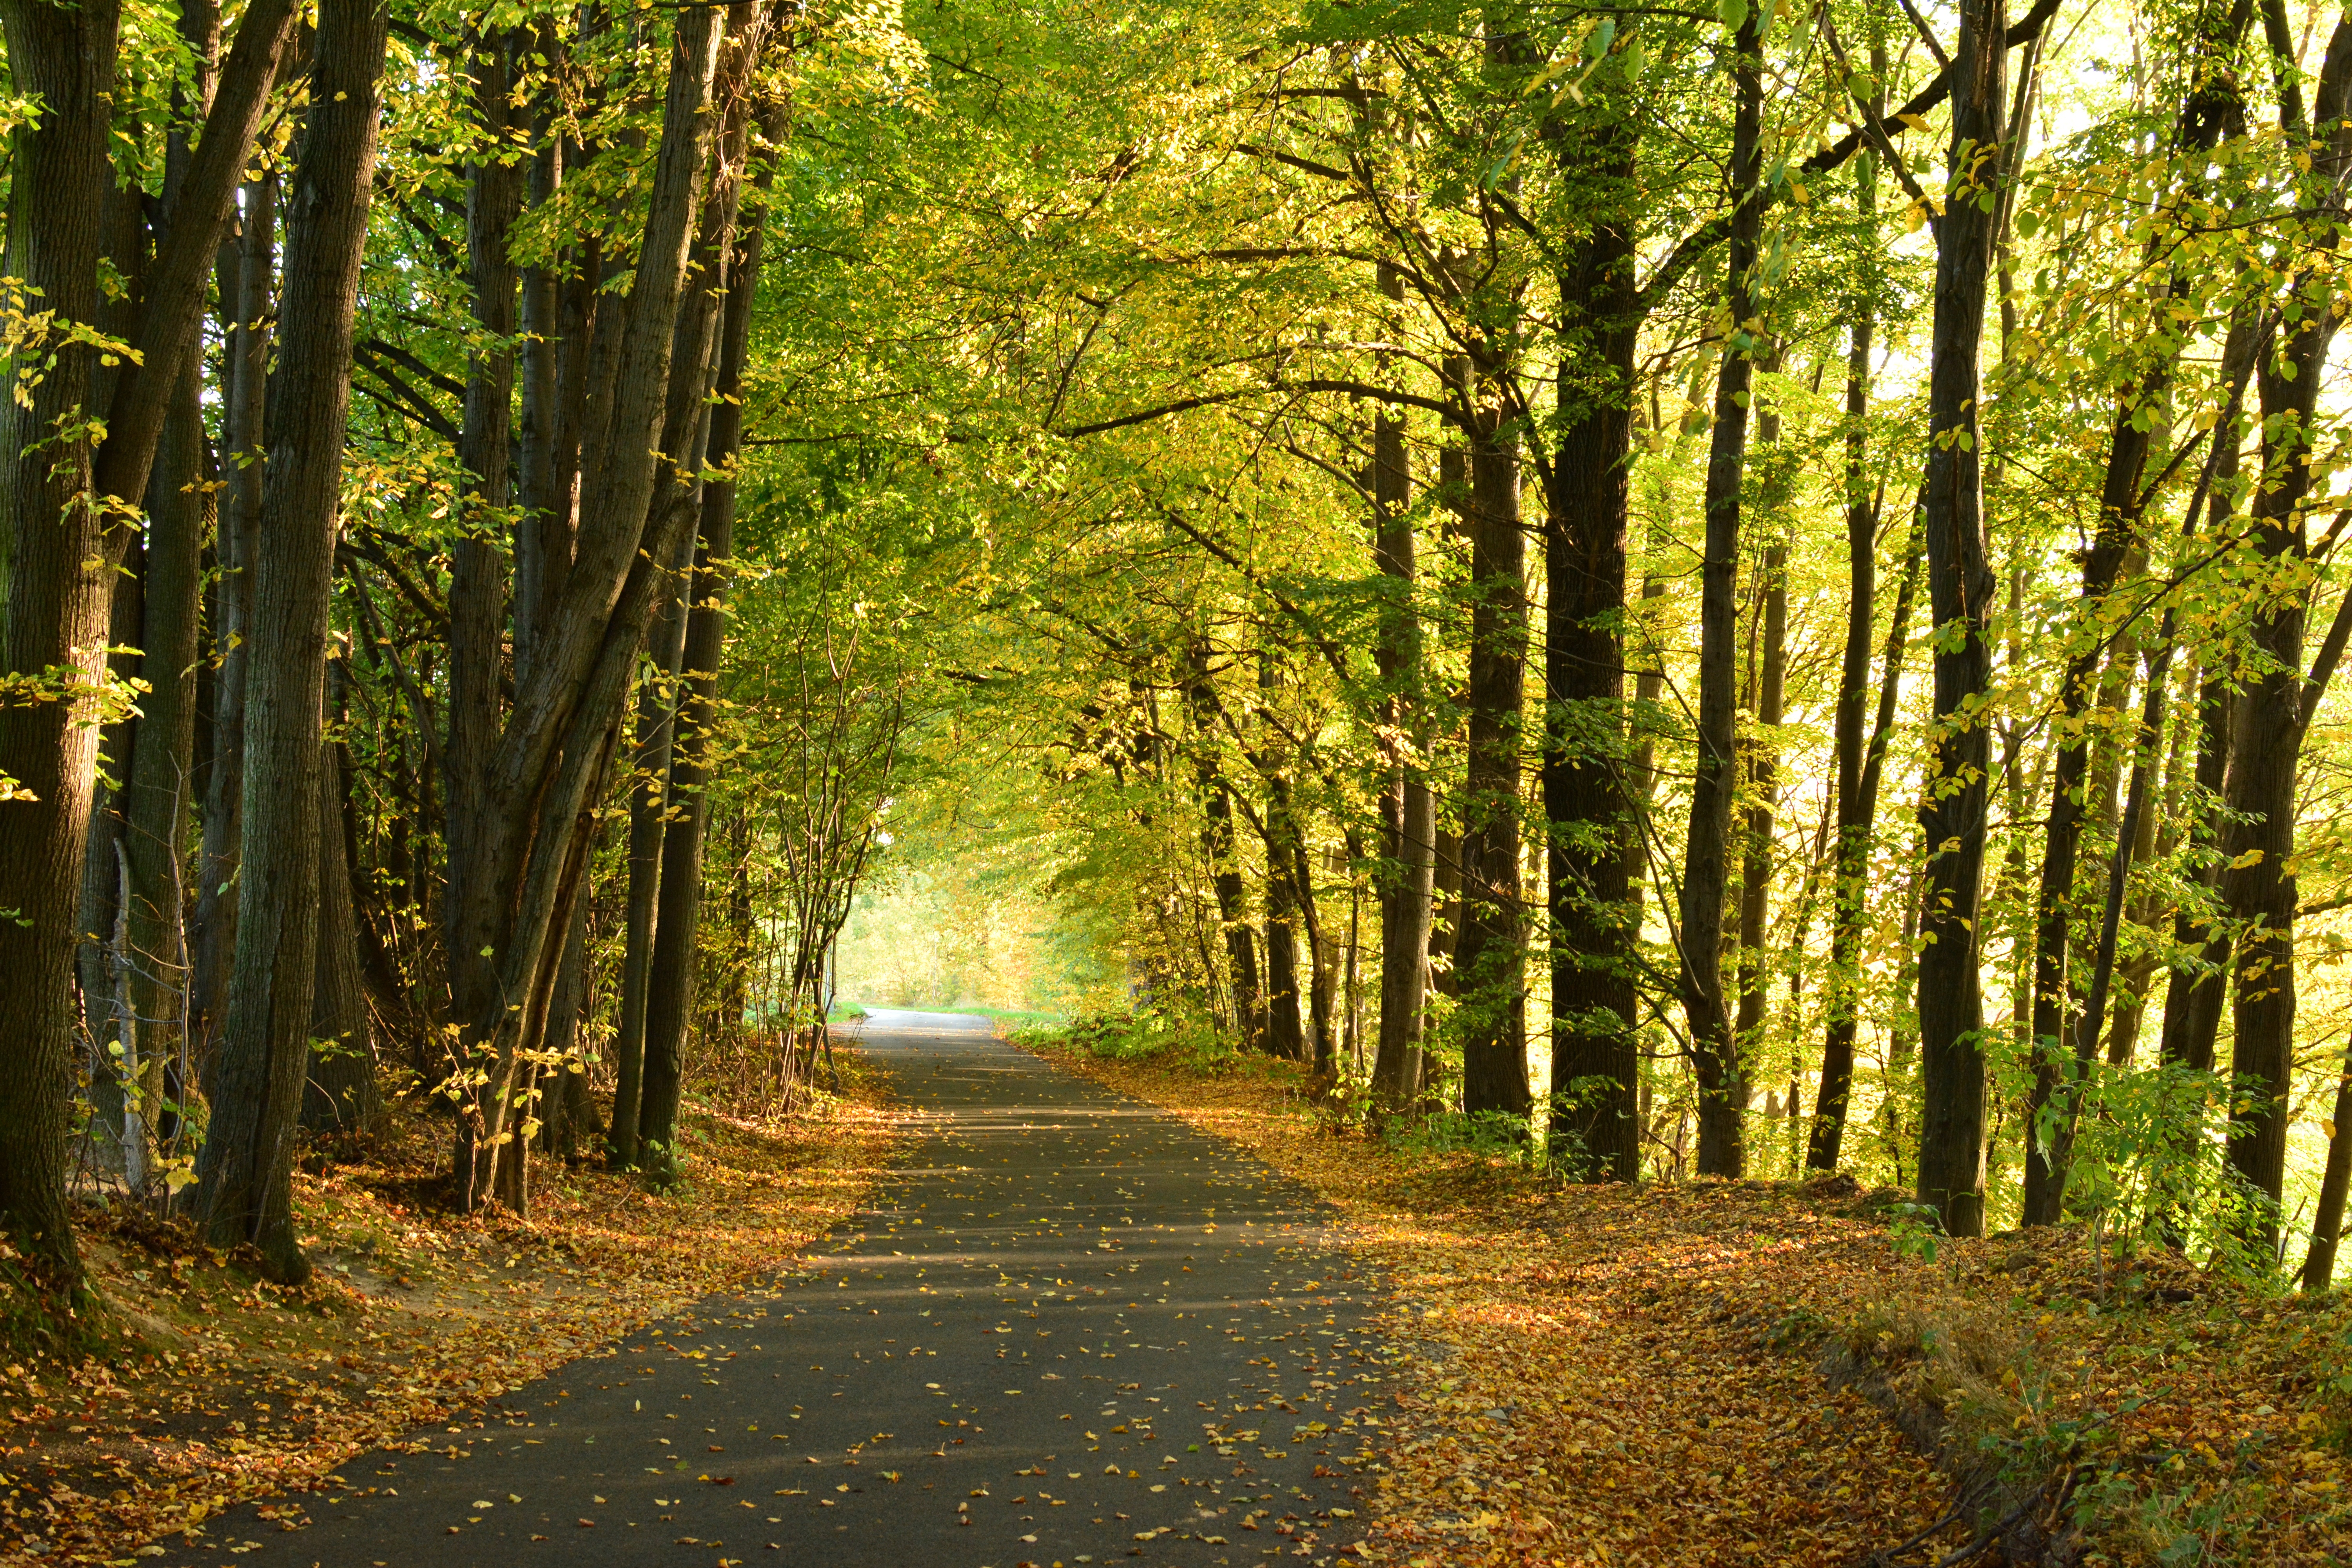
<point x="160" y="774"/>
<point x="1960" y="590"/>
<point x="637" y="505"/>
<point x="1593" y="841"/>
<point x="1706" y="864"/>
<point x="245" y="1170"/>
<point x="58" y="593"/>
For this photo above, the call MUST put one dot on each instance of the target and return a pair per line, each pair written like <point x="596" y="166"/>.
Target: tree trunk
<point x="658" y="697"/>
<point x="340" y="1093"/>
<point x="1490" y="955"/>
<point x="245" y="1170"/>
<point x="1593" y="841"/>
<point x="557" y="742"/>
<point x="2259" y="886"/>
<point x="58" y="593"/>
<point x="1408" y="824"/>
<point x="1217" y="849"/>
<point x="669" y="994"/>
<point x="1856" y="809"/>
<point x="1960" y="590"/>
<point x="1722" y="1077"/>
<point x="245" y="360"/>
<point x="2327" y="1220"/>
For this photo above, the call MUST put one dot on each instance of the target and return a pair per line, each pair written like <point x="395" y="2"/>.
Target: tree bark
<point x="1960" y="590"/>
<point x="1490" y="954"/>
<point x="1407" y="814"/>
<point x="1593" y="841"/>
<point x="59" y="594"/>
<point x="670" y="996"/>
<point x="1722" y="1077"/>
<point x="2260" y="888"/>
<point x="339" y="1093"/>
<point x="245" y="1170"/>
<point x="1858" y="807"/>
<point x="245" y="360"/>
<point x="657" y="697"/>
<point x="1217" y="851"/>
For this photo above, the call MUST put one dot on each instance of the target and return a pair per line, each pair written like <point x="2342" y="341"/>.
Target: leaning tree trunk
<point x="1961" y="589"/>
<point x="244" y="1172"/>
<point x="649" y="789"/>
<point x="669" y="994"/>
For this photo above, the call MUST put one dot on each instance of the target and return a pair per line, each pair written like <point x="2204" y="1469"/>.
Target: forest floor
<point x="1755" y="1372"/>
<point x="229" y="1388"/>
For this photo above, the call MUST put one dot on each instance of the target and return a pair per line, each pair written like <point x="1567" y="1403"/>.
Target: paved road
<point x="1068" y="1330"/>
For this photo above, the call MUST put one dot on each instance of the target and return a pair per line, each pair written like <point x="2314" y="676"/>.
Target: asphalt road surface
<point x="1067" y="1330"/>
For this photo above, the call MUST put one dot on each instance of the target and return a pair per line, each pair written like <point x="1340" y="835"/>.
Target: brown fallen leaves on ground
<point x="1725" y="1374"/>
<point x="414" y="1317"/>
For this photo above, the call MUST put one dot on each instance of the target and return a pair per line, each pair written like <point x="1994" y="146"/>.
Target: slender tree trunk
<point x="1490" y="955"/>
<point x="340" y="1094"/>
<point x="1961" y="589"/>
<point x="2114" y="544"/>
<point x="1285" y="1032"/>
<point x="1761" y="751"/>
<point x="2260" y="886"/>
<point x="1217" y="848"/>
<point x="2327" y="1220"/>
<point x="1408" y="824"/>
<point x="245" y="360"/>
<point x="669" y="998"/>
<point x="1722" y="1077"/>
<point x="2195" y="989"/>
<point x="657" y="695"/>
<point x="1856" y="811"/>
<point x="245" y="1170"/>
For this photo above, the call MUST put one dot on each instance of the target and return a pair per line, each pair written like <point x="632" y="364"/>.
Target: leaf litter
<point x="1748" y="1373"/>
<point x="415" y="1318"/>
